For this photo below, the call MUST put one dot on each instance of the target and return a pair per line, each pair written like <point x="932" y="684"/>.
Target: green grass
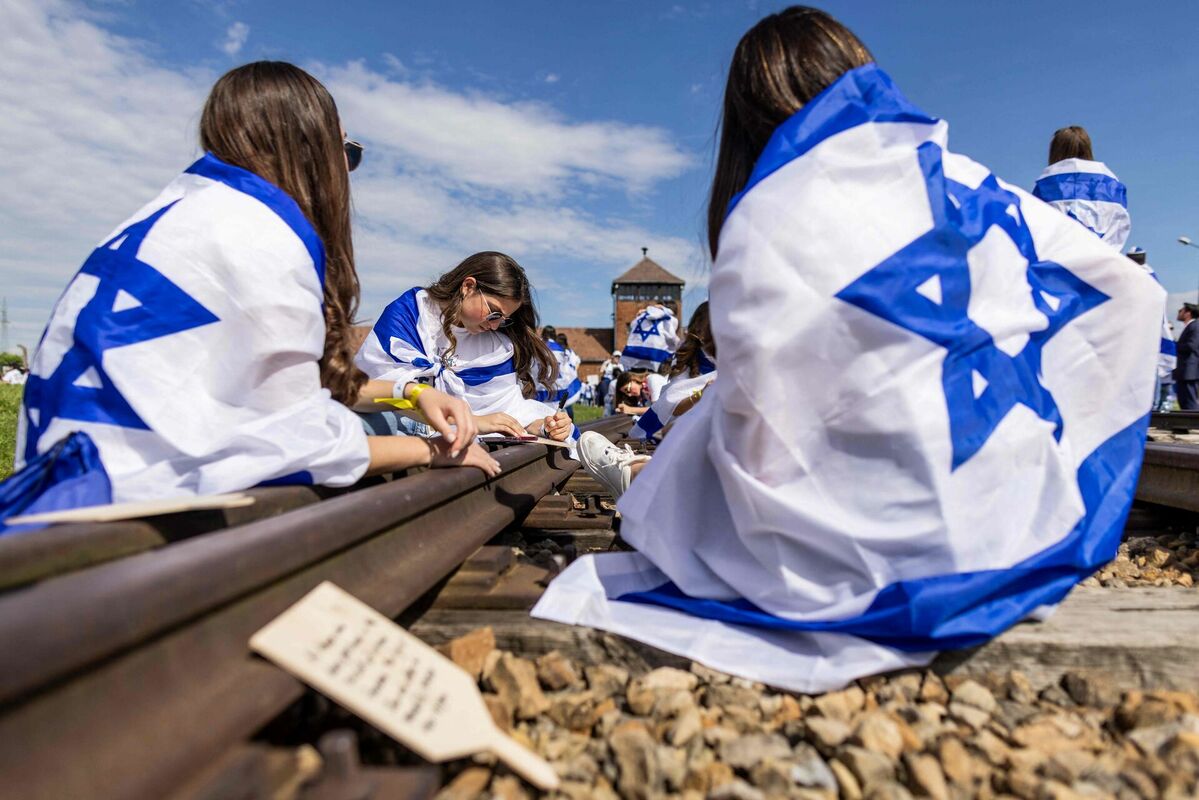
<point x="10" y="401"/>
<point x="587" y="413"/>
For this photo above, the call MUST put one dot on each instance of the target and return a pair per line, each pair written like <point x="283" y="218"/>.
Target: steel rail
<point x="1174" y="420"/>
<point x="1170" y="475"/>
<point x="124" y="679"/>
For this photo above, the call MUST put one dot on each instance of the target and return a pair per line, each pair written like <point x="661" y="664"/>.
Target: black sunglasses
<point x="353" y="154"/>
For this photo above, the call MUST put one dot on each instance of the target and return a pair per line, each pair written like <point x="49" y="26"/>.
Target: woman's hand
<point x="499" y="422"/>
<point x="632" y="411"/>
<point x="440" y="455"/>
<point x="556" y="427"/>
<point x="442" y="411"/>
<point x="688" y="403"/>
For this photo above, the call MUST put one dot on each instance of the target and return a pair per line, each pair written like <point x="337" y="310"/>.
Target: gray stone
<point x="746" y="751"/>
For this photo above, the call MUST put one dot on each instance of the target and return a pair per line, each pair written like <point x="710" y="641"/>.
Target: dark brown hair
<point x="698" y="340"/>
<point x="499" y="275"/>
<point x="623" y="380"/>
<point x="1071" y="142"/>
<point x="779" y="65"/>
<point x="277" y="121"/>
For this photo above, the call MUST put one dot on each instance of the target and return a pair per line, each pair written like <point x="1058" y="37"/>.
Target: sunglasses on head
<point x="353" y="154"/>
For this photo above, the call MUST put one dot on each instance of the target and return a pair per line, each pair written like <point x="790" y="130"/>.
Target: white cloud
<point x="482" y="142"/>
<point x="106" y="126"/>
<point x="553" y="77"/>
<point x="235" y="38"/>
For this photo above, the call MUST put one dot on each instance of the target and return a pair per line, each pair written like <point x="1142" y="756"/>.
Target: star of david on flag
<point x="646" y="327"/>
<point x="926" y="288"/>
<point x="133" y="303"/>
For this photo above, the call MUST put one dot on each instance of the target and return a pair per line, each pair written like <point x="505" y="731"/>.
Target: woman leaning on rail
<point x="204" y="346"/>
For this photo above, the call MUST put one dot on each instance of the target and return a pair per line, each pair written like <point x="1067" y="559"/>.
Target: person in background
<point x="567" y="387"/>
<point x="473" y="335"/>
<point x="1186" y="374"/>
<point x="1167" y="352"/>
<point x="607" y="375"/>
<point x="653" y="338"/>
<point x="205" y="345"/>
<point x="630" y="396"/>
<point x="1084" y="189"/>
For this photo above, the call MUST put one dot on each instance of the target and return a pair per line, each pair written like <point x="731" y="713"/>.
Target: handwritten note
<point x="345" y="649"/>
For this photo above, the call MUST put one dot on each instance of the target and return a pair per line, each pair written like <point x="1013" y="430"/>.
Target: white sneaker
<point x="607" y="463"/>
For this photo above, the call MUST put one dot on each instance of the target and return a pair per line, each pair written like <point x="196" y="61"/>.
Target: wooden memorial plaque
<point x="361" y="659"/>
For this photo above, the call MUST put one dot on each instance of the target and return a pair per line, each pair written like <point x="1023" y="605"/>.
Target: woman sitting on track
<point x="204" y="346"/>
<point x="931" y="410"/>
<point x="473" y="334"/>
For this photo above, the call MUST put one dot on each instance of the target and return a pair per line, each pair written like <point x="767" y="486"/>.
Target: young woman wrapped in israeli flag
<point x="693" y="371"/>
<point x="1084" y="189"/>
<point x="567" y="387"/>
<point x="204" y="346"/>
<point x="932" y="402"/>
<point x="653" y="338"/>
<point x="473" y="334"/>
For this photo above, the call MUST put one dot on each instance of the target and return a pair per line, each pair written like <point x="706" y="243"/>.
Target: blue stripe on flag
<point x="647" y="425"/>
<point x="269" y="195"/>
<point x="966" y="609"/>
<point x="865" y="94"/>
<point x="1169" y="347"/>
<point x="399" y="320"/>
<point x="1081" y="186"/>
<point x="474" y="376"/>
<point x="647" y="354"/>
<point x="705" y="364"/>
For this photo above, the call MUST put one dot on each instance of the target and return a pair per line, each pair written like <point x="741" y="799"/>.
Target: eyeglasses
<point x="353" y="154"/>
<point x="494" y="316"/>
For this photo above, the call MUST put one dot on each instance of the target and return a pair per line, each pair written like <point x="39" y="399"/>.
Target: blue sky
<point x="567" y="134"/>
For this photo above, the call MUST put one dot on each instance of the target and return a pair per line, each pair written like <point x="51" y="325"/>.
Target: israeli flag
<point x="653" y="338"/>
<point x="1089" y="193"/>
<point x="407" y="344"/>
<point x="568" y="387"/>
<point x="1167" y="357"/>
<point x="186" y="350"/>
<point x="652" y="424"/>
<point x="929" y="422"/>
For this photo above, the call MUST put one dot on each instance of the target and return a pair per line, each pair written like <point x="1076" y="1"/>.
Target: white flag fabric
<point x="407" y="343"/>
<point x="187" y="348"/>
<point x="661" y="413"/>
<point x="1167" y="357"/>
<point x="929" y="421"/>
<point x="1089" y="193"/>
<point x="653" y="338"/>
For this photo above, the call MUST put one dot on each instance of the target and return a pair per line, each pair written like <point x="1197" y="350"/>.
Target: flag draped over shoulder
<point x="653" y="338"/>
<point x="929" y="422"/>
<point x="1089" y="193"/>
<point x="408" y="344"/>
<point x="186" y="351"/>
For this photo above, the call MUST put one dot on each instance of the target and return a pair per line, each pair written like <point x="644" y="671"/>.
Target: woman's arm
<point x="391" y="453"/>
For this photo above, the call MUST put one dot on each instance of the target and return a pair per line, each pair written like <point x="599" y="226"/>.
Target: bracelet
<point x="412" y="394"/>
<point x="696" y="395"/>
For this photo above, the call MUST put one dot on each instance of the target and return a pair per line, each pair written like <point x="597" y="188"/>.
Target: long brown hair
<point x="277" y="121"/>
<point x="1071" y="142"/>
<point x="779" y="65"/>
<point x="499" y="275"/>
<point x="698" y="340"/>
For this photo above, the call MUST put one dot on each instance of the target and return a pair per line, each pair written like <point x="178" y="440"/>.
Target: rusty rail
<point x="125" y="679"/>
<point x="1170" y="475"/>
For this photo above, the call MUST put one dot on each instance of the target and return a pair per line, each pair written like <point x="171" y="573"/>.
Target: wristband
<point x="412" y="394"/>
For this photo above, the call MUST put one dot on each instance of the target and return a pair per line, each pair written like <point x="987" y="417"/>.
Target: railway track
<point x="127" y="672"/>
<point x="127" y="678"/>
